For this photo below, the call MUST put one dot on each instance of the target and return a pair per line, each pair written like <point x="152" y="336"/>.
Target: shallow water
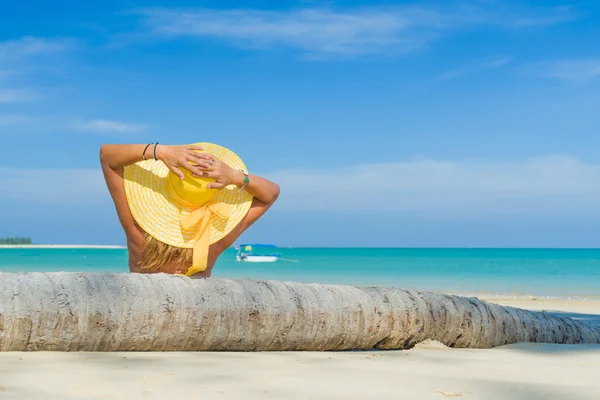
<point x="540" y="272"/>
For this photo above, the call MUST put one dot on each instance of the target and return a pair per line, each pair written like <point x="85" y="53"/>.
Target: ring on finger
<point x="212" y="161"/>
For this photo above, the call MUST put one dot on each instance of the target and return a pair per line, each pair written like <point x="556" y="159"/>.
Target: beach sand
<point x="429" y="371"/>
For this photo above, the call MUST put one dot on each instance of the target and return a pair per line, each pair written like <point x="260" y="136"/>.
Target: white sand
<point x="430" y="371"/>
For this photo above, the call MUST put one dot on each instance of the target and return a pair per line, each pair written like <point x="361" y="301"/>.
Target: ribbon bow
<point x="200" y="219"/>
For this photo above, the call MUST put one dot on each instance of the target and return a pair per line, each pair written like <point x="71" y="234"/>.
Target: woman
<point x="182" y="206"/>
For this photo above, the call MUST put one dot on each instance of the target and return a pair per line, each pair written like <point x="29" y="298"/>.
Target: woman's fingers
<point x="209" y="174"/>
<point x="195" y="155"/>
<point x="206" y="156"/>
<point x="201" y="163"/>
<point x="216" y="185"/>
<point x="194" y="170"/>
<point x="177" y="172"/>
<point x="202" y="156"/>
<point x="194" y="152"/>
<point x="209" y="157"/>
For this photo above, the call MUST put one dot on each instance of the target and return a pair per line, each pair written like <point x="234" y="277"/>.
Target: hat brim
<point x="160" y="216"/>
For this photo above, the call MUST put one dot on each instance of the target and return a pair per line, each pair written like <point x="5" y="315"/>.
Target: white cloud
<point x="314" y="31"/>
<point x="323" y="31"/>
<point x="28" y="46"/>
<point x="108" y="126"/>
<point x="488" y="64"/>
<point x="65" y="186"/>
<point x="15" y="57"/>
<point x="553" y="184"/>
<point x="575" y="70"/>
<point x="16" y="95"/>
<point x="15" y="119"/>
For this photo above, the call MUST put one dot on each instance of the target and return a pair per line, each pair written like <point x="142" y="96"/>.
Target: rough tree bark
<point x="132" y="312"/>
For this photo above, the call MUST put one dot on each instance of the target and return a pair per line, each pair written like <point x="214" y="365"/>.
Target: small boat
<point x="246" y="253"/>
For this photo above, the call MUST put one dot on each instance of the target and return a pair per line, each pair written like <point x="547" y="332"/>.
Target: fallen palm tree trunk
<point x="133" y="312"/>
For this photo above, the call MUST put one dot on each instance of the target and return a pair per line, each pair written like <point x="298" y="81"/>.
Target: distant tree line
<point x="15" y="240"/>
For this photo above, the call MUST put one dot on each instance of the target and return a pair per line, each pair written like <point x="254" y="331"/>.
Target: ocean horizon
<point x="514" y="272"/>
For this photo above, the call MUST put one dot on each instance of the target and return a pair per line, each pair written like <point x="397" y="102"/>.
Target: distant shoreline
<point x="58" y="246"/>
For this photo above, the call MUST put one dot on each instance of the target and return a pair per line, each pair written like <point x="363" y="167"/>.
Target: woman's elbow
<point x="104" y="154"/>
<point x="107" y="156"/>
<point x="274" y="193"/>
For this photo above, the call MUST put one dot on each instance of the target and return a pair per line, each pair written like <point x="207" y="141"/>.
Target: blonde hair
<point x="161" y="257"/>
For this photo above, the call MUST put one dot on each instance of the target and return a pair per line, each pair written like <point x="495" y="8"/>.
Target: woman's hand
<point x="177" y="157"/>
<point x="222" y="173"/>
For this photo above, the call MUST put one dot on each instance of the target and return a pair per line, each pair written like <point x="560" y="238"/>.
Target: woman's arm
<point x="260" y="188"/>
<point x="117" y="156"/>
<point x="265" y="194"/>
<point x="113" y="157"/>
<point x="264" y="191"/>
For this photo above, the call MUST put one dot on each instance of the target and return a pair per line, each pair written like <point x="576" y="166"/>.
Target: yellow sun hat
<point x="185" y="212"/>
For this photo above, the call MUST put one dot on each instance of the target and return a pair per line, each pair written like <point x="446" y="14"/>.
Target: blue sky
<point x="455" y="123"/>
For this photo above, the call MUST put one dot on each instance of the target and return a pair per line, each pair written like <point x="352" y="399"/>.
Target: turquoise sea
<point x="538" y="272"/>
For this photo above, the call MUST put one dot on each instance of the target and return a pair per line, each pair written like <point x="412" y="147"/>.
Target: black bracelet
<point x="154" y="151"/>
<point x="144" y="152"/>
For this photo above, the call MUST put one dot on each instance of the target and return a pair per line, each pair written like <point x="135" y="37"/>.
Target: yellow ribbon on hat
<point x="194" y="193"/>
<point x="200" y="219"/>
